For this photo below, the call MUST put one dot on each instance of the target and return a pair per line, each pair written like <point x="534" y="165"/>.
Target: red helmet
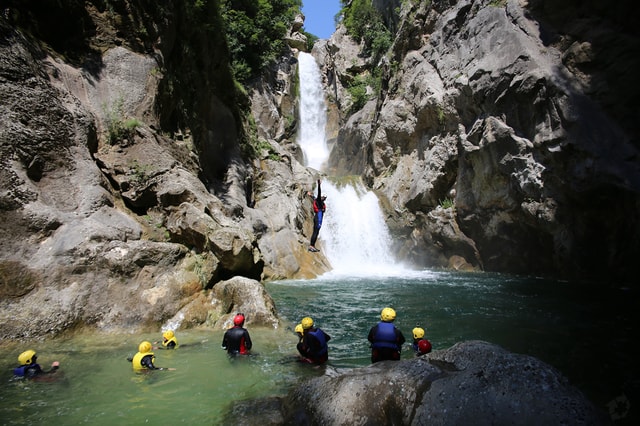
<point x="238" y="320"/>
<point x="424" y="347"/>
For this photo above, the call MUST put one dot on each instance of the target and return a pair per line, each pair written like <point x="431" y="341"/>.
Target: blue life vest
<point x="385" y="336"/>
<point x="319" y="215"/>
<point x="23" y="370"/>
<point x="319" y="335"/>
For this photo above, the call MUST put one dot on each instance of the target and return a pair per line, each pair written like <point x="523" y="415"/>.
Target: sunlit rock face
<point x="497" y="110"/>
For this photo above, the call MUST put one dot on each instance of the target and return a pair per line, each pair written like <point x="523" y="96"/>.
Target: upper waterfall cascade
<point x="354" y="236"/>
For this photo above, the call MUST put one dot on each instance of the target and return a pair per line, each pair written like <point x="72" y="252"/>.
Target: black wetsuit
<point x="236" y="340"/>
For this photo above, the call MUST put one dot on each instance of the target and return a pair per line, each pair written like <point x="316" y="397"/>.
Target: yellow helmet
<point x="299" y="329"/>
<point x="388" y="315"/>
<point x="27" y="357"/>
<point x="306" y="323"/>
<point x="418" y="333"/>
<point x="169" y="334"/>
<point x="145" y="347"/>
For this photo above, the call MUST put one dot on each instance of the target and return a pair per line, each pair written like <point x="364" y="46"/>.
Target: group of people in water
<point x="385" y="338"/>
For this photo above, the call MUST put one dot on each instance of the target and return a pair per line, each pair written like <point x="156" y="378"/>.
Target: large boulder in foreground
<point x="471" y="383"/>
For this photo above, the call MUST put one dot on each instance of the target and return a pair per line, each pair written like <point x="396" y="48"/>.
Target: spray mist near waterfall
<point x="354" y="236"/>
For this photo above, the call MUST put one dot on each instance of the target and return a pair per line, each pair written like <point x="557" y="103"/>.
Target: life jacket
<point x="385" y="336"/>
<point x="21" y="371"/>
<point x="171" y="343"/>
<point x="316" y="208"/>
<point x="137" y="360"/>
<point x="319" y="335"/>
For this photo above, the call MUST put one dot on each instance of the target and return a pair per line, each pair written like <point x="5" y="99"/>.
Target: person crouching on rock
<point x="236" y="340"/>
<point x="386" y="340"/>
<point x="29" y="368"/>
<point x="313" y="346"/>
<point x="144" y="359"/>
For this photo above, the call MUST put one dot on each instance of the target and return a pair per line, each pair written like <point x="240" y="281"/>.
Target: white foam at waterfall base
<point x="354" y="235"/>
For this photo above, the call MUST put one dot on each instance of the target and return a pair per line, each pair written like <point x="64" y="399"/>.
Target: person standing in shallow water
<point x="386" y="339"/>
<point x="236" y="340"/>
<point x="313" y="346"/>
<point x="319" y="207"/>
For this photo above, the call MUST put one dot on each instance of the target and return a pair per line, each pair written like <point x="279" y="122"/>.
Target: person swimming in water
<point x="144" y="359"/>
<point x="29" y="368"/>
<point x="420" y="345"/>
<point x="169" y="340"/>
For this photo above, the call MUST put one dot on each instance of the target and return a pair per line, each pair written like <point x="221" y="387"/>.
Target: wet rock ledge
<point x="471" y="383"/>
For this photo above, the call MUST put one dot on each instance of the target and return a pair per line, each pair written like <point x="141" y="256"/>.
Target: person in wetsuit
<point x="386" y="340"/>
<point x="29" y="368"/>
<point x="313" y="346"/>
<point x="420" y="345"/>
<point x="236" y="340"/>
<point x="169" y="340"/>
<point x="144" y="359"/>
<point x="319" y="207"/>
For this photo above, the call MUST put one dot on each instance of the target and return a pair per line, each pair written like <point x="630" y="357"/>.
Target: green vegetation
<point x="447" y="203"/>
<point x="255" y="30"/>
<point x="358" y="89"/>
<point x="364" y="23"/>
<point x="119" y="128"/>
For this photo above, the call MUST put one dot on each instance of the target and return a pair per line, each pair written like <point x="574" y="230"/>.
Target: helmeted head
<point x="388" y="315"/>
<point x="145" y="347"/>
<point x="27" y="357"/>
<point x="299" y="329"/>
<point x="168" y="335"/>
<point x="418" y="333"/>
<point x="306" y="323"/>
<point x="424" y="347"/>
<point x="238" y="320"/>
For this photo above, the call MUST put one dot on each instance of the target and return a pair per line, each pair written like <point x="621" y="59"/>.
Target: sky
<point x="319" y="16"/>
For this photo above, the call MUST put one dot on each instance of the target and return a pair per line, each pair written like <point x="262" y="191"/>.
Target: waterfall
<point x="313" y="114"/>
<point x="354" y="236"/>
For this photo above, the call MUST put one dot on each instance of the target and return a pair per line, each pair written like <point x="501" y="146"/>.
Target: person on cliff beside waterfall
<point x="319" y="207"/>
<point x="29" y="368"/>
<point x="386" y="339"/>
<point x="236" y="340"/>
<point x="420" y="344"/>
<point x="313" y="346"/>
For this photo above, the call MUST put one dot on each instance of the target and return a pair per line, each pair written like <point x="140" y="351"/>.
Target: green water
<point x="585" y="333"/>
<point x="95" y="384"/>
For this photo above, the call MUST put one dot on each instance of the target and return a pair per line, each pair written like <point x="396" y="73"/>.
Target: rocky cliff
<point x="138" y="179"/>
<point x="123" y="186"/>
<point x="499" y="134"/>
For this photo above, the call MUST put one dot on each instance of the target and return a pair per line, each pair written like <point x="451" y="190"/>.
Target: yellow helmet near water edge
<point x="27" y="357"/>
<point x="307" y="323"/>
<point x="169" y="334"/>
<point x="388" y="315"/>
<point x="418" y="333"/>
